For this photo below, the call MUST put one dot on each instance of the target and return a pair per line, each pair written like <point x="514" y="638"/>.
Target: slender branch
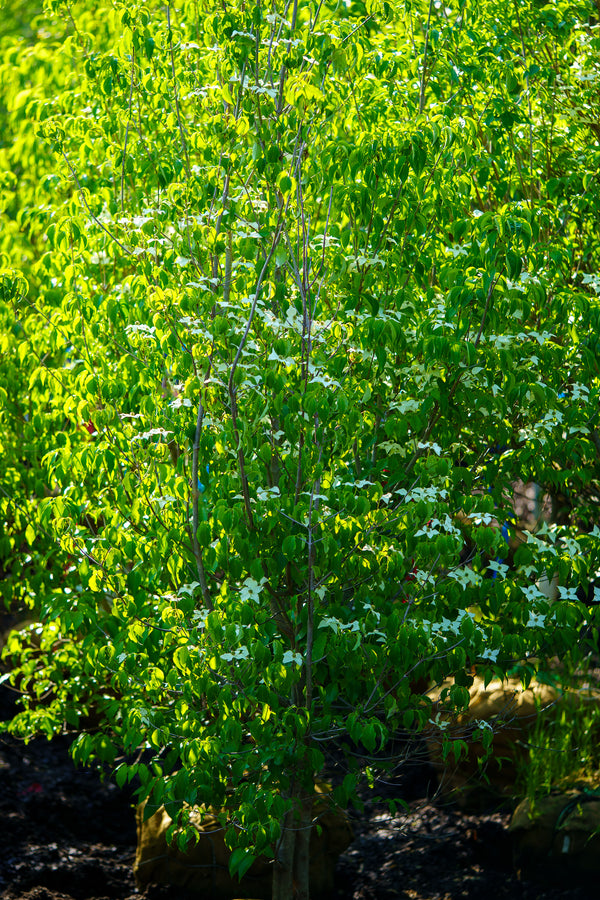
<point x="437" y="412"/>
<point x="313" y="24"/>
<point x="231" y="387"/>
<point x="325" y="234"/>
<point x="424" y="70"/>
<point x="196" y="509"/>
<point x="224" y="205"/>
<point x="238" y="104"/>
<point x="310" y="607"/>
<point x="127" y="132"/>
<point x="523" y="51"/>
<point x="87" y="206"/>
<point x="493" y="283"/>
<point x="283" y="73"/>
<point x="184" y="146"/>
<point x="358" y="27"/>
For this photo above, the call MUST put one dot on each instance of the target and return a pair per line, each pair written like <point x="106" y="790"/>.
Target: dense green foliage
<point x="291" y="298"/>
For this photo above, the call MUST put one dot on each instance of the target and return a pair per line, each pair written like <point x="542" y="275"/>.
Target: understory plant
<point x="563" y="744"/>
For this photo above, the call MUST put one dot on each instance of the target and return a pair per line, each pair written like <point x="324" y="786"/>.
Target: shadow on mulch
<point x="67" y="836"/>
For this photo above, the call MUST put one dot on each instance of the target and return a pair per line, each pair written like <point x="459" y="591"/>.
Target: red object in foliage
<point x="34" y="788"/>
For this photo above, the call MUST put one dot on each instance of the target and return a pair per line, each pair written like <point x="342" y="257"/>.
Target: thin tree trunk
<point x="302" y="851"/>
<point x="291" y="868"/>
<point x="283" y="866"/>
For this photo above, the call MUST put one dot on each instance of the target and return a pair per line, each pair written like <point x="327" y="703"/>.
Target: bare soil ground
<point x="66" y="836"/>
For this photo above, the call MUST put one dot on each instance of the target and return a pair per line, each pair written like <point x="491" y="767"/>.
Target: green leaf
<point x="240" y="862"/>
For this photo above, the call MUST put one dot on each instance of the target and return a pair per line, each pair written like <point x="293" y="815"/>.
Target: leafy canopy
<point x="292" y="296"/>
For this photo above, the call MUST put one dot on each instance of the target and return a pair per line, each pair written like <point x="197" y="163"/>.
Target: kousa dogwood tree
<point x="293" y="295"/>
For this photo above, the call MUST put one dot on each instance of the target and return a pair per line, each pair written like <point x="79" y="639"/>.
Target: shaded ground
<point x="65" y="836"/>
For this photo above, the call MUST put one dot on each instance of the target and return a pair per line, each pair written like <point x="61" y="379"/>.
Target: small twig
<point x="358" y="27"/>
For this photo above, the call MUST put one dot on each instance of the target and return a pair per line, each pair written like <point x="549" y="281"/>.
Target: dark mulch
<point x="66" y="836"/>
